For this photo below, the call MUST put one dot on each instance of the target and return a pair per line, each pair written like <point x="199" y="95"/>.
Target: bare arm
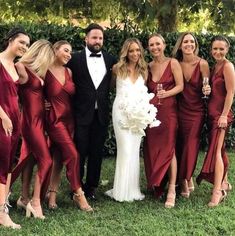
<point x="23" y="76"/>
<point x="229" y="78"/>
<point x="179" y="84"/>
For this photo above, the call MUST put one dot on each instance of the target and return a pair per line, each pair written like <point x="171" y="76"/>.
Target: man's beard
<point x="93" y="48"/>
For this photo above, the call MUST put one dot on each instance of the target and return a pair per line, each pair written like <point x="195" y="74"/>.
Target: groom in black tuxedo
<point x="92" y="71"/>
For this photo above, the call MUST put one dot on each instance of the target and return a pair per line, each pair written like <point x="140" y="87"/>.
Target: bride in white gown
<point x="131" y="114"/>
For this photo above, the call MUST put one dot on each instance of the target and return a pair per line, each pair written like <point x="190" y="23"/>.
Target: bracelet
<point x="223" y="116"/>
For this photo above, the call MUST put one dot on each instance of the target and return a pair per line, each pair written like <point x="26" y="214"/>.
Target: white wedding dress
<point x="126" y="185"/>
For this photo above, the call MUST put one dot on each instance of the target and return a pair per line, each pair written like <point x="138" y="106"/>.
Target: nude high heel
<point x="35" y="211"/>
<point x="80" y="201"/>
<point x="185" y="189"/>
<point x="170" y="199"/>
<point x="217" y="197"/>
<point x="191" y="187"/>
<point x="5" y="219"/>
<point x="21" y="203"/>
<point x="51" y="206"/>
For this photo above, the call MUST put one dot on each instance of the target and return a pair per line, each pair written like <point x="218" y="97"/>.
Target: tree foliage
<point x="161" y="15"/>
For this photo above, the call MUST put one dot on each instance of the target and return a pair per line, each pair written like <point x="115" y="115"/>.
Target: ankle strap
<point x="4" y="208"/>
<point x="79" y="194"/>
<point x="52" y="191"/>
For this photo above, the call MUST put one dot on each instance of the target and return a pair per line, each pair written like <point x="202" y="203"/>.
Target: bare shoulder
<point x="174" y="63"/>
<point x="228" y="65"/>
<point x="203" y="62"/>
<point x="20" y="66"/>
<point x="114" y="69"/>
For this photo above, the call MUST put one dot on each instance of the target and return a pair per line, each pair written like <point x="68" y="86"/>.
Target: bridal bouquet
<point x="136" y="111"/>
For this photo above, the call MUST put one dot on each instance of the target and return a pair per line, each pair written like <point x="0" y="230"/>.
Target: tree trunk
<point x="167" y="15"/>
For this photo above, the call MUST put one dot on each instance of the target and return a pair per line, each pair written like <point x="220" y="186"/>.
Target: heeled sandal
<point x="227" y="186"/>
<point x="5" y="219"/>
<point x="191" y="187"/>
<point x="35" y="211"/>
<point x="186" y="192"/>
<point x="51" y="206"/>
<point x="77" y="200"/>
<point x="21" y="203"/>
<point x="170" y="198"/>
<point x="217" y="197"/>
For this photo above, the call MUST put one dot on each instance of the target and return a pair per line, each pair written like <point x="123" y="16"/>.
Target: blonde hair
<point x="58" y="44"/>
<point x="177" y="52"/>
<point x="157" y="35"/>
<point x="122" y="65"/>
<point x="39" y="57"/>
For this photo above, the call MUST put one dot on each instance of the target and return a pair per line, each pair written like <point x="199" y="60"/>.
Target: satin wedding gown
<point x="126" y="185"/>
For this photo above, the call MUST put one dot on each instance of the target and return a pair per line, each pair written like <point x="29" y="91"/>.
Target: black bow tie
<point x="95" y="55"/>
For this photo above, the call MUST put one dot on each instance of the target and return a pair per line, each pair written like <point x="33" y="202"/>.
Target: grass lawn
<point x="147" y="217"/>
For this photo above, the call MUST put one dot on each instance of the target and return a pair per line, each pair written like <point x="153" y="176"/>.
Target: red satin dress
<point x="159" y="143"/>
<point x="60" y="124"/>
<point x="215" y="108"/>
<point x="191" y="117"/>
<point x="32" y="128"/>
<point x="9" y="104"/>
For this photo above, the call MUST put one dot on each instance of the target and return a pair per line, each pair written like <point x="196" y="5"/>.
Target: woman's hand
<point x="7" y="126"/>
<point x="161" y="93"/>
<point x="223" y="122"/>
<point x="206" y="90"/>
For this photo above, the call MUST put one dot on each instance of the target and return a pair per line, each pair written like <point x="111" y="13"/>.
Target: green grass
<point x="147" y="217"/>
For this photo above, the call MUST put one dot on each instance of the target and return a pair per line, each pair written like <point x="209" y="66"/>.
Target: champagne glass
<point x="159" y="88"/>
<point x="205" y="82"/>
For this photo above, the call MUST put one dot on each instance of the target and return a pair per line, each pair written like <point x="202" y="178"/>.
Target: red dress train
<point x="191" y="117"/>
<point x="9" y="104"/>
<point x="60" y="124"/>
<point x="32" y="128"/>
<point x="159" y="143"/>
<point x="215" y="108"/>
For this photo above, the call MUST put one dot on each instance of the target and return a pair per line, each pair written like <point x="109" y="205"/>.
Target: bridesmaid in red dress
<point x="15" y="45"/>
<point x="220" y="117"/>
<point x="159" y="143"/>
<point x="191" y="112"/>
<point x="59" y="89"/>
<point x="32" y="68"/>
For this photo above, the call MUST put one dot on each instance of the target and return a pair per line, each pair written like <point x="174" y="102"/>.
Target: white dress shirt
<point x="96" y="67"/>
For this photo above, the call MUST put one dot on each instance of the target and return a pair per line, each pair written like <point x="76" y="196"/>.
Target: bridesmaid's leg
<point x="34" y="206"/>
<point x="26" y="178"/>
<point x="54" y="180"/>
<point x="170" y="201"/>
<point x="218" y="194"/>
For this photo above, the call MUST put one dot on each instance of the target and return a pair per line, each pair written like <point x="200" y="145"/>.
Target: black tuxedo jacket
<point x="86" y="94"/>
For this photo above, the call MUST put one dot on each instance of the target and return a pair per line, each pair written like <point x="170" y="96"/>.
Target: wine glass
<point x="205" y="82"/>
<point x="159" y="88"/>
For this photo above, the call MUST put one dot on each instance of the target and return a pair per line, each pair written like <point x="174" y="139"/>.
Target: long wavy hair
<point x="177" y="52"/>
<point x="122" y="65"/>
<point x="39" y="57"/>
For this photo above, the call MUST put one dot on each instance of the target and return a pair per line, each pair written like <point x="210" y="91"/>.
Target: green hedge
<point x="114" y="38"/>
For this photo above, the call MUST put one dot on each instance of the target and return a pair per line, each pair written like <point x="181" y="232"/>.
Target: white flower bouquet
<point x="136" y="111"/>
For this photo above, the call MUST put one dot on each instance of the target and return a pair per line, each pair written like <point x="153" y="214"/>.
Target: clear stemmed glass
<point x="159" y="88"/>
<point x="205" y="82"/>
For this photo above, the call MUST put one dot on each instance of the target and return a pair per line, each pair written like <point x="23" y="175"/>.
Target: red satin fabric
<point x="9" y="103"/>
<point x="191" y="118"/>
<point x="33" y="134"/>
<point x="60" y="124"/>
<point x="215" y="108"/>
<point x="159" y="143"/>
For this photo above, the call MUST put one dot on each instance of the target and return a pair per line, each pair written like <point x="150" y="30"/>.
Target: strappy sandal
<point x="5" y="219"/>
<point x="77" y="199"/>
<point x="51" y="206"/>
<point x="170" y="198"/>
<point x="217" y="197"/>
